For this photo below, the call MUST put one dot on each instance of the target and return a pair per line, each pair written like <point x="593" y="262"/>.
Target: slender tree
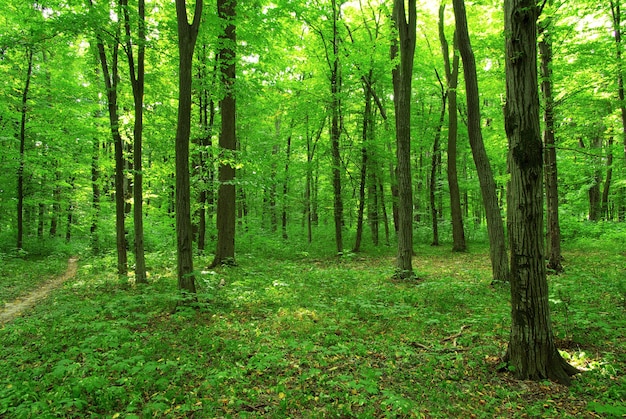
<point x="616" y="15"/>
<point x="531" y="352"/>
<point x="549" y="142"/>
<point x="187" y="36"/>
<point x="225" y="249"/>
<point x="110" y="73"/>
<point x="22" y="138"/>
<point x="402" y="81"/>
<point x="137" y="73"/>
<point x="495" y="226"/>
<point x="452" y="79"/>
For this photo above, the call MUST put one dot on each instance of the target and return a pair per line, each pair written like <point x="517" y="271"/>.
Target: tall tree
<point x="225" y="249"/>
<point x="22" y="139"/>
<point x="495" y="226"/>
<point x="402" y="81"/>
<point x="110" y="73"/>
<point x="187" y="36"/>
<point x="531" y="353"/>
<point x="549" y="142"/>
<point x="616" y="15"/>
<point x="335" y="129"/>
<point x="137" y="73"/>
<point x="452" y="79"/>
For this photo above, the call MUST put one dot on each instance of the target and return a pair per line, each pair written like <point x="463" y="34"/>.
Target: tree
<point x="402" y="81"/>
<point x="187" y="36"/>
<point x="452" y="79"/>
<point x="110" y="73"/>
<point x="137" y="82"/>
<point x="551" y="178"/>
<point x="531" y="352"/>
<point x="495" y="227"/>
<point x="225" y="250"/>
<point x="22" y="139"/>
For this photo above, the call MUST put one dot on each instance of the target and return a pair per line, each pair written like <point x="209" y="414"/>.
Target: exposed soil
<point x="16" y="307"/>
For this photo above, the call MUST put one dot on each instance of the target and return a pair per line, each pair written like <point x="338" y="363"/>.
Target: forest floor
<point x="14" y="308"/>
<point x="296" y="332"/>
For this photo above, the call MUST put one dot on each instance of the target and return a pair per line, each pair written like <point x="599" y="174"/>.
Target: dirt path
<point x="19" y="305"/>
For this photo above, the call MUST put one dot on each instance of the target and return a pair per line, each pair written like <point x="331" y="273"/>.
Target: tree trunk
<point x="187" y="36"/>
<point x="111" y="80"/>
<point x="286" y="187"/>
<point x="335" y="134"/>
<point x="70" y="214"/>
<point x="531" y="353"/>
<point x="596" y="179"/>
<point x="20" y="170"/>
<point x="495" y="227"/>
<point x="137" y="83"/>
<point x="617" y="30"/>
<point x="225" y="249"/>
<point x="205" y="171"/>
<point x="56" y="201"/>
<point x="434" y="166"/>
<point x="402" y="100"/>
<point x="551" y="178"/>
<point x="367" y="117"/>
<point x="604" y="199"/>
<point x="452" y="78"/>
<point x="95" y="197"/>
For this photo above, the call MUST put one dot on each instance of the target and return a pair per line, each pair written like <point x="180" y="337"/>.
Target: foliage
<point x="311" y="336"/>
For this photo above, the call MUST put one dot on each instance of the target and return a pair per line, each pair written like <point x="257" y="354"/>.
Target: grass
<point x="305" y="335"/>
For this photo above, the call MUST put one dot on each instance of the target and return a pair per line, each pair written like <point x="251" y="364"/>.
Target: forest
<point x="320" y="208"/>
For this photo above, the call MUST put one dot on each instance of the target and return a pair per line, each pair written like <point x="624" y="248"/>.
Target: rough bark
<point x="187" y="36"/>
<point x="531" y="352"/>
<point x="495" y="226"/>
<point x="452" y="78"/>
<point x="406" y="25"/>
<point x="225" y="248"/>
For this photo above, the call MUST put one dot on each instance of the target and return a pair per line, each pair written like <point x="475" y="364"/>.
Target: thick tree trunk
<point x="549" y="142"/>
<point x="495" y="226"/>
<point x="225" y="249"/>
<point x="452" y="78"/>
<point x="531" y="353"/>
<point x="403" y="76"/>
<point x="187" y="35"/>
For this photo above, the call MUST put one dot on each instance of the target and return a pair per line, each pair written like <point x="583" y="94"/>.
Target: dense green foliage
<point x="301" y="334"/>
<point x="292" y="330"/>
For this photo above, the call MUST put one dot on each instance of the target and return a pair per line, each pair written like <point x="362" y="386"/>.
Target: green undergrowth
<point x="311" y="337"/>
<point x="18" y="275"/>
